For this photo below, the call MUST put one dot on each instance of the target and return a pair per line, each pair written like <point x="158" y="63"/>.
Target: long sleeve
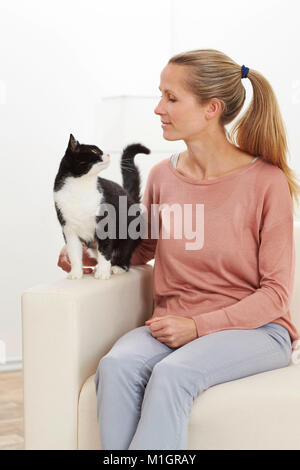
<point x="145" y="251"/>
<point x="276" y="269"/>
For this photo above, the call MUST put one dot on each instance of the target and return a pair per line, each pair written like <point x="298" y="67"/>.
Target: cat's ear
<point x="73" y="144"/>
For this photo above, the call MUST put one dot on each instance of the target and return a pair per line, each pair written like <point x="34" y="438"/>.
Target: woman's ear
<point x="214" y="108"/>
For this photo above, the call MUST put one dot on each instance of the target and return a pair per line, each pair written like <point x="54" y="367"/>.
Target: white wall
<point x="59" y="58"/>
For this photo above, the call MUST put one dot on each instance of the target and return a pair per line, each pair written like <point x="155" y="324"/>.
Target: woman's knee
<point x="176" y="376"/>
<point x="111" y="365"/>
<point x="114" y="362"/>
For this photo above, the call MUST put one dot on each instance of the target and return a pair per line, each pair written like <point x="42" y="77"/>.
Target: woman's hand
<point x="173" y="330"/>
<point x="87" y="260"/>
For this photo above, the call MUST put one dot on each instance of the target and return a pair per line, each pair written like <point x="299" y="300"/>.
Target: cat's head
<point x="85" y="159"/>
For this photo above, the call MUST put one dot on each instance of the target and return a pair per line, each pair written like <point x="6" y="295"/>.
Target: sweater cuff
<point x="211" y="322"/>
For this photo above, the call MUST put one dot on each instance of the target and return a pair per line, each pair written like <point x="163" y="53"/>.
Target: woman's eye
<point x="170" y="99"/>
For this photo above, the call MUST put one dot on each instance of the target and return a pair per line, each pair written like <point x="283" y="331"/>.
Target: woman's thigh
<point x="136" y="353"/>
<point x="227" y="355"/>
<point x="139" y="342"/>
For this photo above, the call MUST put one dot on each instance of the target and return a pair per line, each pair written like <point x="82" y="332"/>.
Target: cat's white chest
<point x="79" y="201"/>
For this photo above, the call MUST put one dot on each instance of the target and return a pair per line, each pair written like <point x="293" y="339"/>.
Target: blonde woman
<point x="221" y="302"/>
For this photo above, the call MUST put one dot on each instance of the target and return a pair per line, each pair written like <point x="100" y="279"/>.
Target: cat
<point x="80" y="194"/>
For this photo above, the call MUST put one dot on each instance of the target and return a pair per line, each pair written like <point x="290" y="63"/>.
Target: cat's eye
<point x="94" y="151"/>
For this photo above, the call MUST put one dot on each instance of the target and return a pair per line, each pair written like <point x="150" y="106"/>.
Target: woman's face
<point x="178" y="106"/>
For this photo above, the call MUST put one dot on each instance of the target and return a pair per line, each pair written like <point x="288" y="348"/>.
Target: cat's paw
<point x="75" y="274"/>
<point x="117" y="270"/>
<point x="102" y="273"/>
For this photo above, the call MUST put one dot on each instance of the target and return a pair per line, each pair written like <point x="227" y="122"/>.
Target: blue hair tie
<point x="245" y="71"/>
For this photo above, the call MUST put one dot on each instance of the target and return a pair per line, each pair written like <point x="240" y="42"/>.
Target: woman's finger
<point x="158" y="327"/>
<point x="64" y="258"/>
<point x="164" y="341"/>
<point x="87" y="270"/>
<point x="88" y="259"/>
<point x="65" y="266"/>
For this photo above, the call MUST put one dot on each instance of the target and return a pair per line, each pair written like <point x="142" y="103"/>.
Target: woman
<point x="222" y="301"/>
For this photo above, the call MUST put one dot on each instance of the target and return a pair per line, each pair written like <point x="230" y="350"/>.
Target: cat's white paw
<point x="102" y="273"/>
<point x="117" y="270"/>
<point x="75" y="274"/>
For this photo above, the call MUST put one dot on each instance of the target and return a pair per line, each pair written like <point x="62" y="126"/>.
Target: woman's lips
<point x="165" y="125"/>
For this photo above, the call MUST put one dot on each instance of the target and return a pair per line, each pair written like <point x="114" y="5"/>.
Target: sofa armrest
<point x="67" y="326"/>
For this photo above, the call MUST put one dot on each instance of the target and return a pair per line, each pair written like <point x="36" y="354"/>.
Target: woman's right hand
<point x="87" y="260"/>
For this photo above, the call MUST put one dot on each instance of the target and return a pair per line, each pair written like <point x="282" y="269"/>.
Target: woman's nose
<point x="157" y="110"/>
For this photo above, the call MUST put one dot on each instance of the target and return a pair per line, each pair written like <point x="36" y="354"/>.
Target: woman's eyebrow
<point x="167" y="90"/>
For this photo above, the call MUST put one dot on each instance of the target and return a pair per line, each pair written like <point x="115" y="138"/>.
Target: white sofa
<point x="69" y="325"/>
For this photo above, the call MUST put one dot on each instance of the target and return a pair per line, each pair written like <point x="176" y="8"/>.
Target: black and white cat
<point x="79" y="194"/>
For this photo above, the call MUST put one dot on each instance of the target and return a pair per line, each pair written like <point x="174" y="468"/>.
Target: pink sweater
<point x="239" y="273"/>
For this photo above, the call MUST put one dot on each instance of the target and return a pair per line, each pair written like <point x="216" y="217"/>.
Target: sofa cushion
<point x="257" y="412"/>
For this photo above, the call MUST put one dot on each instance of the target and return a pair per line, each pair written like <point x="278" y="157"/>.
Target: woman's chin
<point x="168" y="136"/>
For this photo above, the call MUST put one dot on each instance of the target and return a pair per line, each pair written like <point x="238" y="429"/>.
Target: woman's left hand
<point x="173" y="330"/>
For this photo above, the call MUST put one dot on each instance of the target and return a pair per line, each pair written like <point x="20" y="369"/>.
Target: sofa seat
<point x="247" y="412"/>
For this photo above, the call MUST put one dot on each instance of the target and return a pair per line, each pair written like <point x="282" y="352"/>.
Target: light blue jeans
<point x="145" y="390"/>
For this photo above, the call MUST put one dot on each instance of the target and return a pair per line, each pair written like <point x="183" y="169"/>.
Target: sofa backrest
<point x="295" y="303"/>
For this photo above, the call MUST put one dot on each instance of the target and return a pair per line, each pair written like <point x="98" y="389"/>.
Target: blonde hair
<point x="260" y="130"/>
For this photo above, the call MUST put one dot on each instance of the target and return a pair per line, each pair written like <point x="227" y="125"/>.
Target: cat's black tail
<point x="130" y="173"/>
